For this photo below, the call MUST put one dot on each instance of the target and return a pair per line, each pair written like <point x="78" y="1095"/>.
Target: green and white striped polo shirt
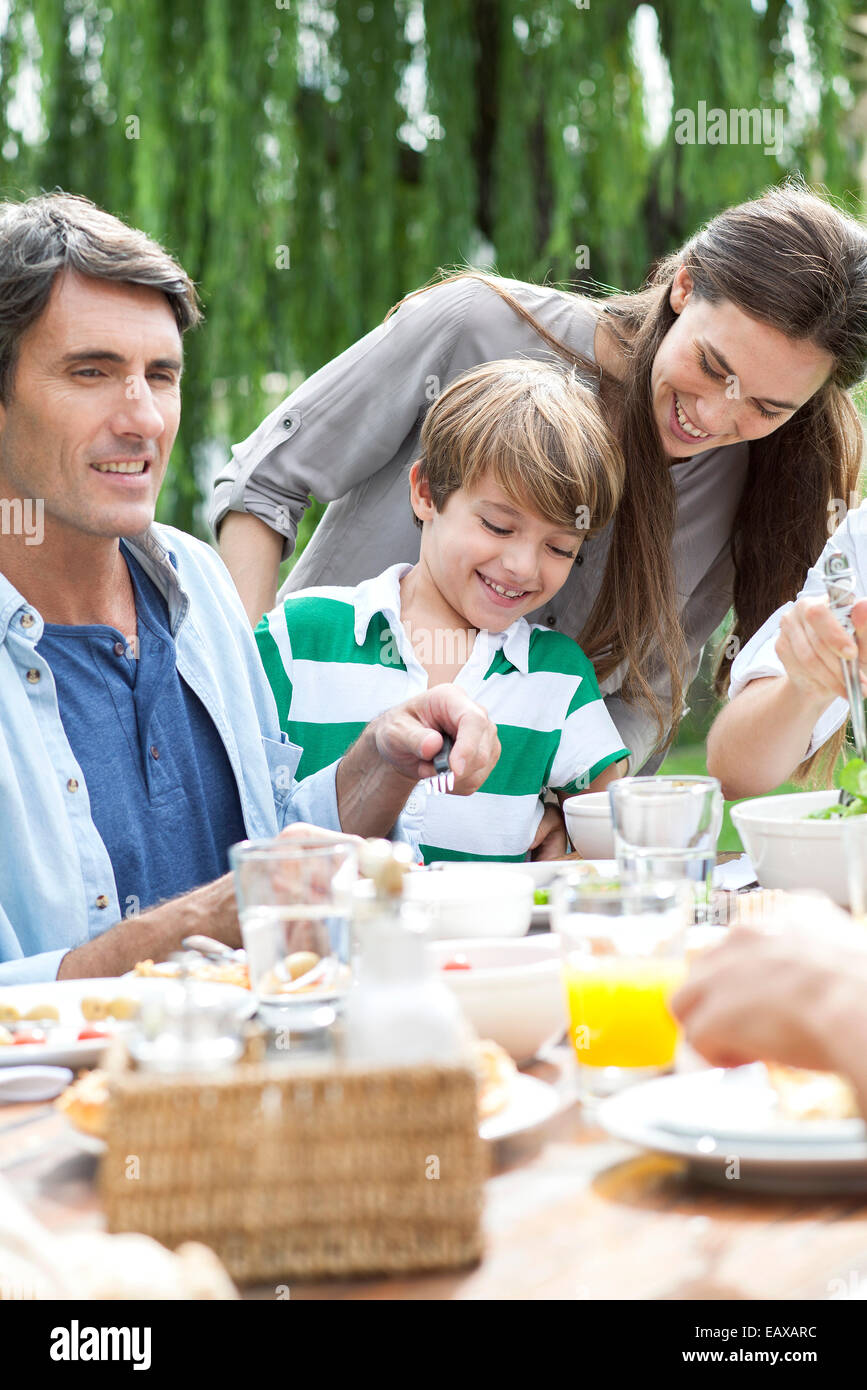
<point x="338" y="657"/>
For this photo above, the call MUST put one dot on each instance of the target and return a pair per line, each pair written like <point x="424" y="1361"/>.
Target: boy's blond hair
<point x="538" y="430"/>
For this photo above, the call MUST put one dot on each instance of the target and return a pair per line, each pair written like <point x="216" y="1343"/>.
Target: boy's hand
<point x="409" y="736"/>
<point x="812" y="643"/>
<point x="550" y="841"/>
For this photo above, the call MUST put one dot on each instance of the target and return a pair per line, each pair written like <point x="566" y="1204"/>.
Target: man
<point x="138" y="735"/>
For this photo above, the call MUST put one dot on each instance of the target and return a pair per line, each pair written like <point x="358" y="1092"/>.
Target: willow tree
<point x="311" y="162"/>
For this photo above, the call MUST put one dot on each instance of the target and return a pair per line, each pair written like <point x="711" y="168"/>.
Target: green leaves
<point x="851" y="778"/>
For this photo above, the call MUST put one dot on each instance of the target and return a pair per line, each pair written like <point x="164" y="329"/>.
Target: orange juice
<point x="618" y="1009"/>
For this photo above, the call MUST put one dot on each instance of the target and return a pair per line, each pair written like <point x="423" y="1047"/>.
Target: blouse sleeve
<point x="348" y="419"/>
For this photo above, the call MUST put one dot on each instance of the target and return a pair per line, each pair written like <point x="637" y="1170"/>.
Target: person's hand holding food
<point x="791" y="997"/>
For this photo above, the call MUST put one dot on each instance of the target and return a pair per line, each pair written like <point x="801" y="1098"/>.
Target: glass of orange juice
<point x="624" y="955"/>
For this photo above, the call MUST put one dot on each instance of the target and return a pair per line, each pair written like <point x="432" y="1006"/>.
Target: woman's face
<point x="720" y="377"/>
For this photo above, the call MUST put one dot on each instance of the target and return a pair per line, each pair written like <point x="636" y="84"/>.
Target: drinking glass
<point x="623" y="948"/>
<point x="854" y="830"/>
<point x="295" y="904"/>
<point x="667" y="828"/>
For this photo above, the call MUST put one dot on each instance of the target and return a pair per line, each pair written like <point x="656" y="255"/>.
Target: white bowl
<point x="788" y="851"/>
<point x="513" y="991"/>
<point x="588" y="823"/>
<point x="472" y="900"/>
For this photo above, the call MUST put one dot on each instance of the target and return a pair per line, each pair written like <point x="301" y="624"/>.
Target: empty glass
<point x="295" y="904"/>
<point x="667" y="828"/>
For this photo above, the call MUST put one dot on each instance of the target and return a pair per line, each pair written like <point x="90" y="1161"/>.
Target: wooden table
<point x="569" y="1214"/>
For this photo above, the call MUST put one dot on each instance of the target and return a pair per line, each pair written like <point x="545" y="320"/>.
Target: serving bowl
<point x="788" y="851"/>
<point x="474" y="900"/>
<point x="588" y="823"/>
<point x="512" y="991"/>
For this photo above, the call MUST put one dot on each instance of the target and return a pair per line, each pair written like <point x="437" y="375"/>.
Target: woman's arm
<point x="251" y="552"/>
<point x="766" y="730"/>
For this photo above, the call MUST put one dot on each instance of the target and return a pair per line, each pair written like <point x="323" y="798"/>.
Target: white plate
<point x="61" y="1047"/>
<point x="726" y="1124"/>
<point x="532" y="1103"/>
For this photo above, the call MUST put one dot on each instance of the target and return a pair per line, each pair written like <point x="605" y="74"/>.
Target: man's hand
<point x="812" y="643"/>
<point x="550" y="841"/>
<point x="409" y="736"/>
<point x="395" y="751"/>
<point x="789" y="997"/>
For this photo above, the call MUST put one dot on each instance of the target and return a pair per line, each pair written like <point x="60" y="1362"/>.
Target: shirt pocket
<point x="283" y="759"/>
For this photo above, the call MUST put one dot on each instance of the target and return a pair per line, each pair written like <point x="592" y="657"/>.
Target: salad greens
<point x="851" y="778"/>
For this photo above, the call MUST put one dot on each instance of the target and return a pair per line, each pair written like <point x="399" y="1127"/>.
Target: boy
<point x="517" y="467"/>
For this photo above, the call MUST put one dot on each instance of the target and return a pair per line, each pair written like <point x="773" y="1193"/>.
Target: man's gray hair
<point x="53" y="232"/>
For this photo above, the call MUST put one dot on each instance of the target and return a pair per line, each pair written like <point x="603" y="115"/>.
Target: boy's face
<point x="491" y="562"/>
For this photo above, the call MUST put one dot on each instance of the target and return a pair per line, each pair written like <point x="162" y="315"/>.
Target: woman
<point x="726" y="382"/>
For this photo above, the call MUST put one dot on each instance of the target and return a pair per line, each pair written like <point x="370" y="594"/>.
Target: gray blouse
<point x="349" y="434"/>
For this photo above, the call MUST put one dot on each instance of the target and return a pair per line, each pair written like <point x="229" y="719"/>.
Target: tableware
<point x="32" y="1084"/>
<point x="510" y="989"/>
<point x="444" y="781"/>
<point x="727" y="1126"/>
<point x="531" y="1103"/>
<point x="840" y="586"/>
<point x="855" y="855"/>
<point x="474" y="899"/>
<point x="788" y="851"/>
<point x="589" y="825"/>
<point x="667" y="828"/>
<point x="62" y="1046"/>
<point x="623" y="953"/>
<point x="294" y="903"/>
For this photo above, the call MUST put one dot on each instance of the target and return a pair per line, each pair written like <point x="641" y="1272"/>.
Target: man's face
<point x="94" y="407"/>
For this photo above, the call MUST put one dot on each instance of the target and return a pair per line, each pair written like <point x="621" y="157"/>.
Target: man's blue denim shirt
<point x="57" y="887"/>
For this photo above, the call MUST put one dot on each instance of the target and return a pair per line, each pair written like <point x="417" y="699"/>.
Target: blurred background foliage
<point x="310" y="161"/>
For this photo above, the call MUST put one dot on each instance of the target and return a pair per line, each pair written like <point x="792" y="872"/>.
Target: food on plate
<point x="325" y="976"/>
<point x="123" y="1008"/>
<point x="496" y="1074"/>
<point x="84" y="1102"/>
<point x="812" y="1095"/>
<point x="28" y="1036"/>
<point x="6" y="1038"/>
<point x="94" y="1009"/>
<point x="43" y="1011"/>
<point x="91" y="1034"/>
<point x="540" y="897"/>
<point x="457" y="963"/>
<point x="301" y="963"/>
<point x="9" y="1013"/>
<point x="228" y="973"/>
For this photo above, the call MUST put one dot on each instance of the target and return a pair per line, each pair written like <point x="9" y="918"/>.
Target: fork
<point x="839" y="581"/>
<point x="444" y="781"/>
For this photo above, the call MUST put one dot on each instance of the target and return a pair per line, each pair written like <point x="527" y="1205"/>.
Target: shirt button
<point x="33" y="676"/>
<point x="579" y="559"/>
<point x="119" y="649"/>
<point x="102" y="900"/>
<point x="27" y="620"/>
<point x="155" y="752"/>
<point x="551" y="620"/>
<point x="72" y="785"/>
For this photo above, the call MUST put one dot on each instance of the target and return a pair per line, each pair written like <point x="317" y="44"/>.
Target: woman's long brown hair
<point x="791" y="260"/>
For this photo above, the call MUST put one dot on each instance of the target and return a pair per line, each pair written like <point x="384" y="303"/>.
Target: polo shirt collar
<point x="156" y="559"/>
<point x="382" y="595"/>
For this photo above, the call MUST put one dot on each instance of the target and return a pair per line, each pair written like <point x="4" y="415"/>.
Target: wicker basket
<point x="300" y="1173"/>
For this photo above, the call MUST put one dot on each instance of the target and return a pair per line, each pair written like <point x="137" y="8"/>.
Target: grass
<point x="690" y="759"/>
